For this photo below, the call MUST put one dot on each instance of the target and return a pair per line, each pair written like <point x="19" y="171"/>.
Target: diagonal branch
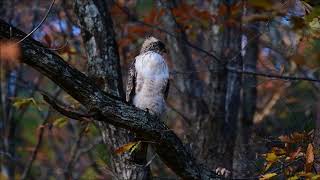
<point x="63" y="111"/>
<point x="110" y="109"/>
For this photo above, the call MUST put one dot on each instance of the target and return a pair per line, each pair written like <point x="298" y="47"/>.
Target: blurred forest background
<point x="243" y="96"/>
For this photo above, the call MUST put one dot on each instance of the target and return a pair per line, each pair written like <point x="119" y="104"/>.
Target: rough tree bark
<point x="109" y="108"/>
<point x="104" y="69"/>
<point x="224" y="93"/>
<point x="244" y="153"/>
<point x="316" y="140"/>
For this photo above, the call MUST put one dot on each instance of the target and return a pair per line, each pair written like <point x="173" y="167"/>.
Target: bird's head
<point x="153" y="44"/>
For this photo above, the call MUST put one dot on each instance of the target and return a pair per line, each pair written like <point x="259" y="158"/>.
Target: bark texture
<point x="109" y="108"/>
<point x="316" y="140"/>
<point x="224" y="94"/>
<point x="244" y="153"/>
<point x="104" y="69"/>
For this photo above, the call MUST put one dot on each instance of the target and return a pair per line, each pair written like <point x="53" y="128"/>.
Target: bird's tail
<point x="139" y="157"/>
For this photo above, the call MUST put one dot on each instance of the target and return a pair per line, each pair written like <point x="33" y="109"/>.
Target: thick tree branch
<point x="169" y="147"/>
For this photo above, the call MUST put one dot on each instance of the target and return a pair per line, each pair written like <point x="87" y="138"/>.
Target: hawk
<point x="148" y="78"/>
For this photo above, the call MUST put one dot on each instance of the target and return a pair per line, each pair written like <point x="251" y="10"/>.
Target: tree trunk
<point x="224" y="94"/>
<point x="244" y="153"/>
<point x="191" y="87"/>
<point x="104" y="69"/>
<point x="316" y="140"/>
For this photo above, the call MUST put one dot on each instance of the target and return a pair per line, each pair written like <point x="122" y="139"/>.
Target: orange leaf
<point x="152" y="17"/>
<point x="297" y="137"/>
<point x="285" y="139"/>
<point x="295" y="154"/>
<point x="222" y="10"/>
<point x="138" y="30"/>
<point x="47" y="39"/>
<point x="9" y="51"/>
<point x="129" y="147"/>
<point x="125" y="42"/>
<point x="309" y="158"/>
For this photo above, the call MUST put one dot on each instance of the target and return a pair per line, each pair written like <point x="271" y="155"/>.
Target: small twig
<point x="40" y="138"/>
<point x="6" y="154"/>
<point x="35" y="151"/>
<point x="284" y="77"/>
<point x="187" y="120"/>
<point x="88" y="147"/>
<point x="63" y="111"/>
<point x="39" y="25"/>
<point x="68" y="169"/>
<point x="150" y="161"/>
<point x="61" y="47"/>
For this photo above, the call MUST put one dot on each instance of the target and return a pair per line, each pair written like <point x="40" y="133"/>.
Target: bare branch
<point x="284" y="77"/>
<point x="109" y="108"/>
<point x="39" y="25"/>
<point x="63" y="110"/>
<point x="68" y="169"/>
<point x="40" y="138"/>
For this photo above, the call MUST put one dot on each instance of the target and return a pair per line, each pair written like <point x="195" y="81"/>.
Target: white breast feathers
<point x="152" y="77"/>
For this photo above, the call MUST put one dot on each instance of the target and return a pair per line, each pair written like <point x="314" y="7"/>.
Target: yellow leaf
<point x="271" y="157"/>
<point x="60" y="122"/>
<point x="3" y="176"/>
<point x="267" y="176"/>
<point x="24" y="102"/>
<point x="316" y="177"/>
<point x="129" y="147"/>
<point x="293" y="178"/>
<point x="269" y="164"/>
<point x="305" y="174"/>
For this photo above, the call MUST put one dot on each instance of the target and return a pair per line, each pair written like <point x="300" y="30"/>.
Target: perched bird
<point x="148" y="78"/>
<point x="147" y="88"/>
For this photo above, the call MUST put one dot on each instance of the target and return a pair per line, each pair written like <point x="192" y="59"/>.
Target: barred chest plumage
<point x="151" y="81"/>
